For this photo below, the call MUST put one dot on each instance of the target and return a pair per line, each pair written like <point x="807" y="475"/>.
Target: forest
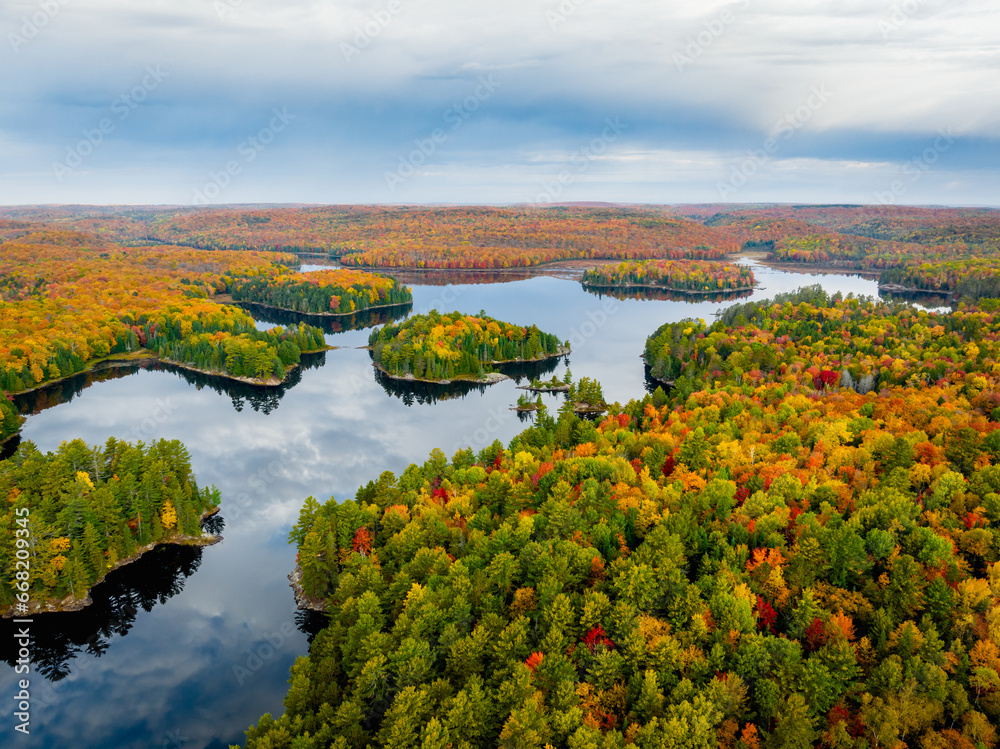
<point x="857" y="343"/>
<point x="789" y="543"/>
<point x="70" y="300"/>
<point x="439" y="346"/>
<point x="73" y="515"/>
<point x="692" y="276"/>
<point x="970" y="278"/>
<point x="324" y="292"/>
<point x="860" y="237"/>
<point x="467" y="237"/>
<point x="781" y="553"/>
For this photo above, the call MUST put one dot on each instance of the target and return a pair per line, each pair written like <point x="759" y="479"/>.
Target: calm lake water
<point x="188" y="647"/>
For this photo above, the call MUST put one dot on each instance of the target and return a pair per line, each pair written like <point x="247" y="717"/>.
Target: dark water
<point x="187" y="647"/>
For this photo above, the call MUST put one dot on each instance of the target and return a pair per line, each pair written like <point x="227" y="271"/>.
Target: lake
<point x="188" y="647"/>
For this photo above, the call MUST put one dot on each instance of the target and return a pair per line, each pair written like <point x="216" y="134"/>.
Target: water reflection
<point x="651" y="382"/>
<point x="423" y="393"/>
<point x="311" y="623"/>
<point x="65" y="391"/>
<point x="664" y="295"/>
<point x="447" y="277"/>
<point x="259" y="398"/>
<point x="58" y="639"/>
<point x="928" y="299"/>
<point x="329" y="325"/>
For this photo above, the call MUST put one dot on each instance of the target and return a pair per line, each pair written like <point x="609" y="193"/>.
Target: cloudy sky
<point x="499" y="101"/>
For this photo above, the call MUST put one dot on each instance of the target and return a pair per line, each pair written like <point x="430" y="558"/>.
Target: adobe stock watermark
<point x="902" y="13"/>
<point x="149" y="425"/>
<point x="563" y="11"/>
<point x="365" y="34"/>
<point x="225" y="8"/>
<point x="248" y="150"/>
<point x="917" y="167"/>
<point x="442" y="302"/>
<point x="123" y="106"/>
<point x="262" y="652"/>
<point x="455" y="117"/>
<point x="31" y="26"/>
<point x="713" y="29"/>
<point x="262" y="479"/>
<point x="173" y="740"/>
<point x="786" y="127"/>
<point x="580" y="334"/>
<point x="581" y="158"/>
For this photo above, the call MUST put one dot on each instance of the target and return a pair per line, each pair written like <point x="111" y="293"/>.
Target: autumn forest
<point x="790" y="539"/>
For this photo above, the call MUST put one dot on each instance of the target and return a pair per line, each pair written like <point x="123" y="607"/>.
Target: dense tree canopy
<point x="322" y="292"/>
<point x="967" y="278"/>
<point x="463" y="237"/>
<point x="807" y="337"/>
<point x="744" y="566"/>
<point x="68" y="299"/>
<point x="439" y="346"/>
<point x="72" y="515"/>
<point x="693" y="276"/>
<point x="767" y="555"/>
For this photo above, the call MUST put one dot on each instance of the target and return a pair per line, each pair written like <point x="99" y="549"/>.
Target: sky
<point x="500" y="101"/>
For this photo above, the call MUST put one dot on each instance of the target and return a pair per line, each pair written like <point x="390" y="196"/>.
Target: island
<point x="969" y="278"/>
<point x="72" y="516"/>
<point x="443" y="348"/>
<point x="553" y="385"/>
<point x="329" y="293"/>
<point x="680" y="276"/>
<point x="584" y="398"/>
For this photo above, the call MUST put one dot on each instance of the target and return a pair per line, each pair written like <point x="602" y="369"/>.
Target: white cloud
<point x="564" y="65"/>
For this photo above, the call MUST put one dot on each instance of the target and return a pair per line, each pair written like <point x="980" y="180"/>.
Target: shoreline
<point x="235" y="302"/>
<point x="111" y="361"/>
<point x="895" y="288"/>
<point x="553" y="389"/>
<point x="71" y="603"/>
<point x="491" y="378"/>
<point x="146" y="356"/>
<point x="272" y="382"/>
<point x="570" y="263"/>
<point x="656" y="287"/>
<point x="827" y="267"/>
<point x="302" y="601"/>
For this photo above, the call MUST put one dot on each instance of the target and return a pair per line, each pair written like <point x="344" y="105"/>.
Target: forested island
<point x="971" y="278"/>
<point x="73" y="515"/>
<point x="553" y="385"/>
<point x="440" y="347"/>
<point x="684" y="276"/>
<point x="324" y="292"/>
